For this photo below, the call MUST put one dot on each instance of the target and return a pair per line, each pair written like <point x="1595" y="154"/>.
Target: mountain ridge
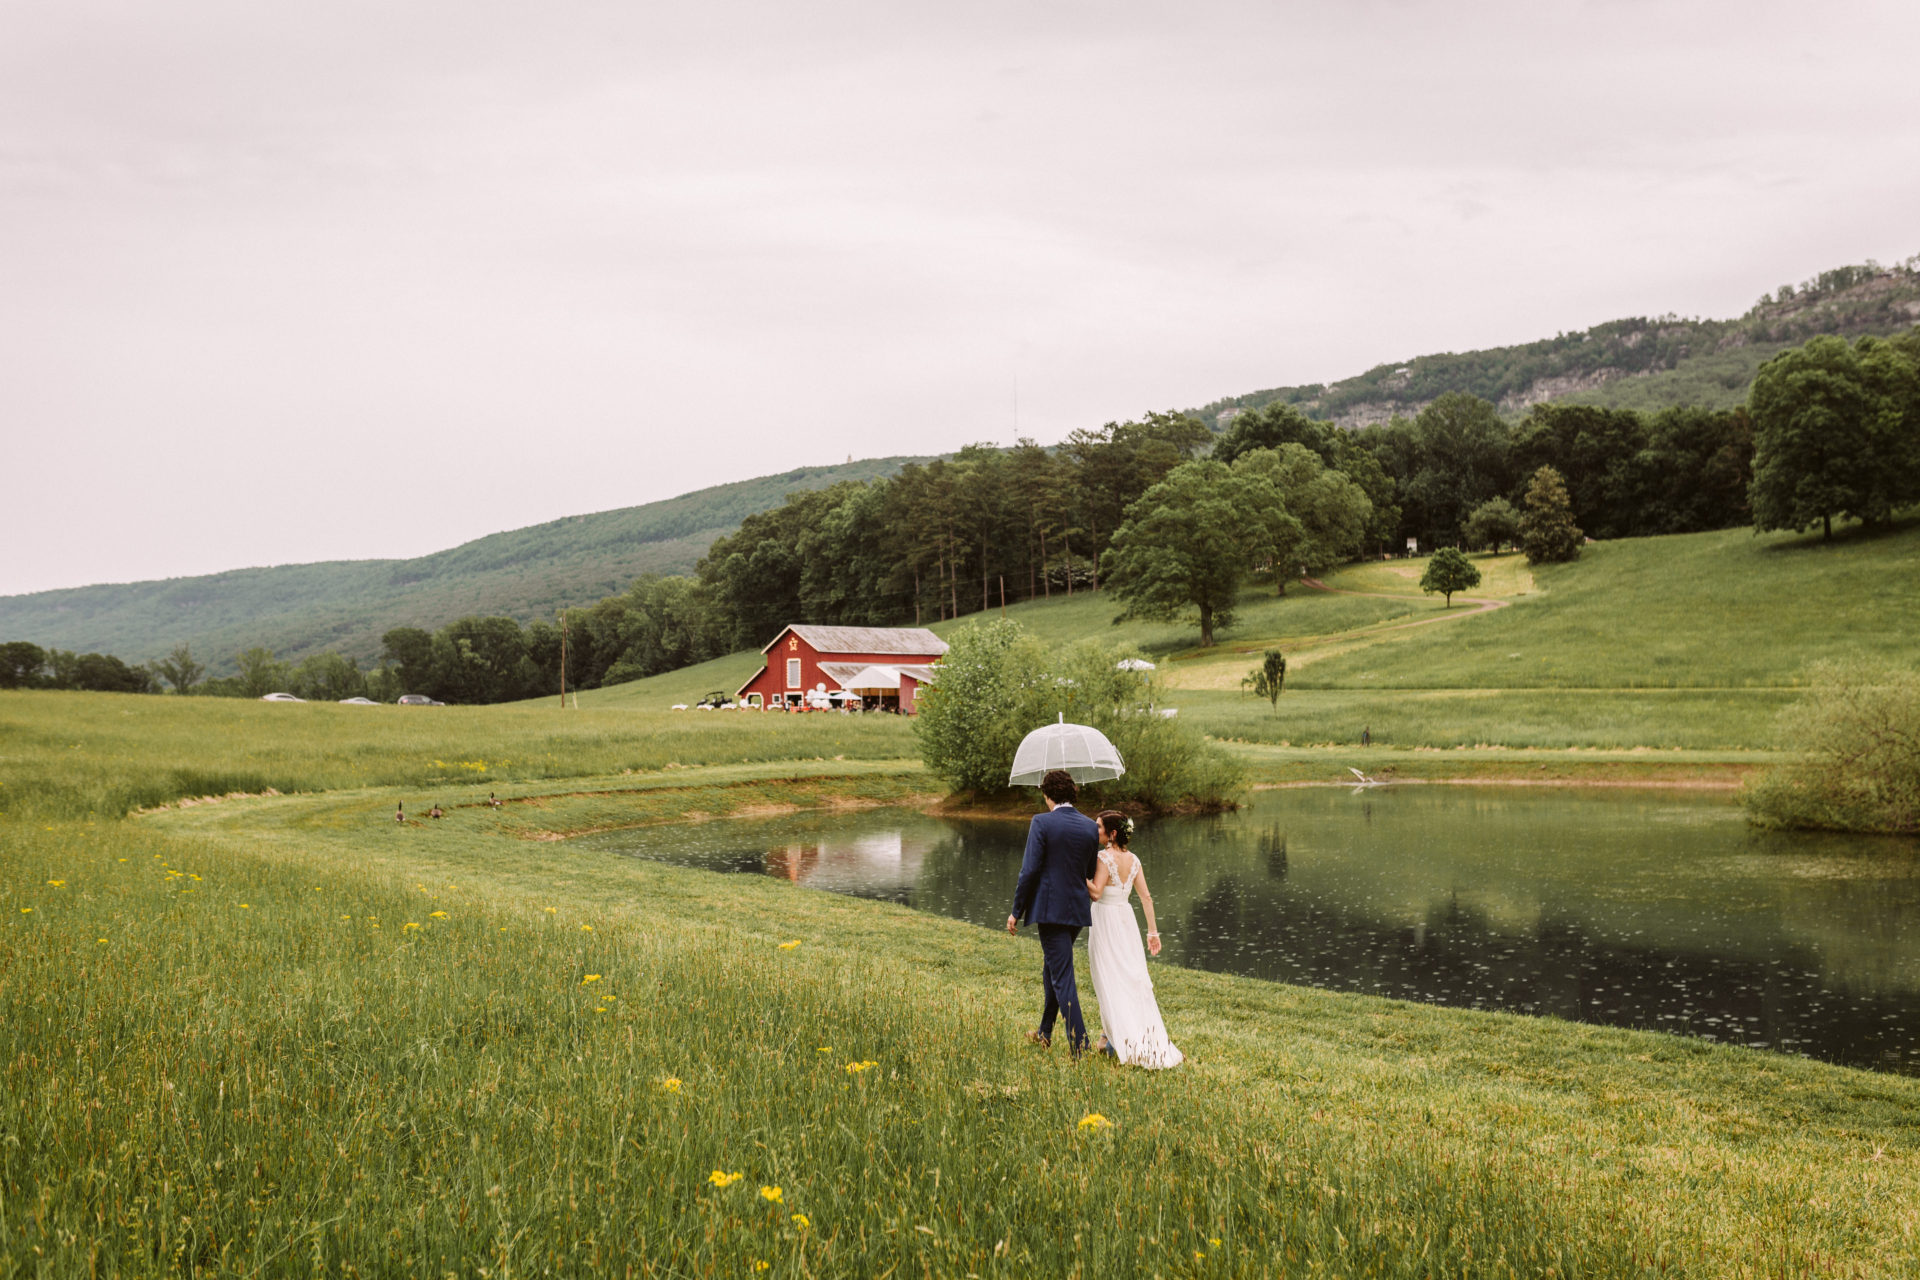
<point x="1644" y="363"/>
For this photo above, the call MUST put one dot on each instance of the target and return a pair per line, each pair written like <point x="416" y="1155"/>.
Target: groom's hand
<point x="1013" y="926"/>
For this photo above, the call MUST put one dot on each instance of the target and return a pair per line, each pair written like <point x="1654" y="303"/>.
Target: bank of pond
<point x="1657" y="910"/>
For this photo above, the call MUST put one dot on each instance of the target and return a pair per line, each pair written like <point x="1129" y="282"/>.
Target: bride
<point x="1129" y="1015"/>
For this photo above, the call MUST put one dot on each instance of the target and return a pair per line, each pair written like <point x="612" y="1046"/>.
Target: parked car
<point x="280" y="697"/>
<point x="716" y="700"/>
<point x="419" y="700"/>
<point x="358" y="702"/>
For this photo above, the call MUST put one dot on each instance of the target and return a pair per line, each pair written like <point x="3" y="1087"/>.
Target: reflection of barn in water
<point x="880" y="864"/>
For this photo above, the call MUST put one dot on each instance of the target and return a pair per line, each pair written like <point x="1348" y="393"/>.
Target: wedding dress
<point x="1129" y="1014"/>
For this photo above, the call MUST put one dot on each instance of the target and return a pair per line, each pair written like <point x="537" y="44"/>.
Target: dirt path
<point x="1483" y="604"/>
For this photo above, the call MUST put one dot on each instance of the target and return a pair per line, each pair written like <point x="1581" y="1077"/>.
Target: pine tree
<point x="1547" y="532"/>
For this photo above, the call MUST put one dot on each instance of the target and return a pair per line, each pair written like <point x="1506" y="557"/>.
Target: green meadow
<point x="276" y="1032"/>
<point x="286" y="1035"/>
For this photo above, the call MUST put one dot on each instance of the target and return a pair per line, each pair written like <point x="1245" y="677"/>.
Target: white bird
<point x="1362" y="780"/>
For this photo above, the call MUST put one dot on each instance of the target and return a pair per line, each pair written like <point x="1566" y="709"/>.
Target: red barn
<point x="879" y="668"/>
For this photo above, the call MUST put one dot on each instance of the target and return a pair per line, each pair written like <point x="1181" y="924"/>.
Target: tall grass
<point x="226" y="1048"/>
<point x="82" y="754"/>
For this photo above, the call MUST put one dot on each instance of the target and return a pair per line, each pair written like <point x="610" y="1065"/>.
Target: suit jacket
<point x="1062" y="847"/>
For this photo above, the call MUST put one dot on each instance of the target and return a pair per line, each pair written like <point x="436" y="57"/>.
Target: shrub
<point x="997" y="683"/>
<point x="1860" y="728"/>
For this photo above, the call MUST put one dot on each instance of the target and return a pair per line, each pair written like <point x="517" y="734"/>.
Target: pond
<point x="1657" y="910"/>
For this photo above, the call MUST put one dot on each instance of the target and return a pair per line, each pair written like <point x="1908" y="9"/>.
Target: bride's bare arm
<point x="1146" y="905"/>
<point x="1099" y="881"/>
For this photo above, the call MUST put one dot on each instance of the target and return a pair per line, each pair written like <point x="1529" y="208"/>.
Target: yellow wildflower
<point x="672" y="1085"/>
<point x="436" y="915"/>
<point x="592" y="977"/>
<point x="411" y="924"/>
<point x="770" y="1194"/>
<point x="825" y="1048"/>
<point x="58" y="884"/>
<point x="26" y="910"/>
<point x="1094" y="1120"/>
<point x="760" y="1264"/>
<point x="586" y="928"/>
<point x="855" y="1068"/>
<point x="801" y="1221"/>
<point x="246" y="906"/>
<point x="788" y="946"/>
<point x="551" y="910"/>
<point x="99" y="939"/>
<point x="1213" y="1243"/>
<point x="720" y="1178"/>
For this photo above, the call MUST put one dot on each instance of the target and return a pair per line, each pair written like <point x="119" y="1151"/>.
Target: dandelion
<point x="855" y="1068"/>
<point x="788" y="946"/>
<point x="825" y="1048"/>
<point x="411" y="924"/>
<point x="601" y="1009"/>
<point x="720" y="1178"/>
<point x="760" y="1264"/>
<point x="1094" y="1120"/>
<point x="801" y="1221"/>
<point x="99" y="939"/>
<point x="246" y="906"/>
<point x="586" y="928"/>
<point x="436" y="915"/>
<point x="58" y="884"/>
<point x="672" y="1085"/>
<point x="26" y="911"/>
<point x="592" y="977"/>
<point x="551" y="910"/>
<point x="771" y="1194"/>
<point x="346" y="917"/>
<point x="1199" y="1256"/>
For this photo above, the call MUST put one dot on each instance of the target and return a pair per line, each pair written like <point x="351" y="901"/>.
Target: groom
<point x="1062" y="845"/>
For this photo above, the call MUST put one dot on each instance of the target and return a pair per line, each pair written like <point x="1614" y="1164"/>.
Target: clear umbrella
<point x="1082" y="751"/>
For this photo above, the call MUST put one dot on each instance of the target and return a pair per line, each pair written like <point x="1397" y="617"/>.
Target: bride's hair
<point x="1119" y="826"/>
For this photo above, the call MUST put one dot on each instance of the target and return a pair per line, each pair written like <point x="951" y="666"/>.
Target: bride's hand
<point x="1153" y="943"/>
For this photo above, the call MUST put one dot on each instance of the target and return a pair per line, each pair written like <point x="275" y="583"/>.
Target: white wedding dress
<point x="1129" y="1015"/>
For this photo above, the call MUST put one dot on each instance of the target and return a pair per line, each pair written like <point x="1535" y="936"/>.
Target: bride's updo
<point x="1117" y="825"/>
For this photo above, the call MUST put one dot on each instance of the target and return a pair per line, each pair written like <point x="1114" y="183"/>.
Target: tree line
<point x="1831" y="431"/>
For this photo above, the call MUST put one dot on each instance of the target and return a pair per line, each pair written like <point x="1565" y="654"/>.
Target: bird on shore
<point x="1362" y="780"/>
<point x="492" y="801"/>
<point x="400" y="812"/>
<point x="435" y="812"/>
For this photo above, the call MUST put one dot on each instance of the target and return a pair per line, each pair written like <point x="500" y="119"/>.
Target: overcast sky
<point x="290" y="282"/>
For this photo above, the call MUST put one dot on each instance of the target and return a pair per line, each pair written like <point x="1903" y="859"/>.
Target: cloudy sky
<point x="289" y="282"/>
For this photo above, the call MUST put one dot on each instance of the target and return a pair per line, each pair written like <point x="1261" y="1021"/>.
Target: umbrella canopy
<point x="1082" y="751"/>
<point x="1133" y="664"/>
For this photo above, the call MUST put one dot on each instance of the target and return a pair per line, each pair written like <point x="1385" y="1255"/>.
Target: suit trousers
<point x="1056" y="975"/>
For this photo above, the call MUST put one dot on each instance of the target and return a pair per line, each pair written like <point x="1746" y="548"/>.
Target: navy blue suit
<point x="1062" y="850"/>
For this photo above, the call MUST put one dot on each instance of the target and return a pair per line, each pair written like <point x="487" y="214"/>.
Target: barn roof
<point x="912" y="640"/>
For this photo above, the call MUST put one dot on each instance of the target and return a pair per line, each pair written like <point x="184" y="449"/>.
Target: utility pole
<point x="563" y="659"/>
<point x="1003" y="595"/>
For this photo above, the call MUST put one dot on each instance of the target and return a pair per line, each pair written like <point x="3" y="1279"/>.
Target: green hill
<point x="1645" y="362"/>
<point x="347" y="605"/>
<point x="1693" y="642"/>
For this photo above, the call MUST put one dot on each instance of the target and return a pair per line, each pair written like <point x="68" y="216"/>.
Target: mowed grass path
<point x="287" y="1035"/>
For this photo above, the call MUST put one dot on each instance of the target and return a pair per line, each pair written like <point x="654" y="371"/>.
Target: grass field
<point x="284" y="1035"/>
<point x="1694" y="642"/>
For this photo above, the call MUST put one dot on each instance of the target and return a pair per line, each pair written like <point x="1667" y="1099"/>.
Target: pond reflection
<point x="1636" y="909"/>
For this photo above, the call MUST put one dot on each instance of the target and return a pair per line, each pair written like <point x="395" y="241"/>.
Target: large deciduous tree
<point x="21" y="664"/>
<point x="180" y="670"/>
<point x="1836" y="433"/>
<point x="1492" y="523"/>
<point x="1449" y="571"/>
<point x="1189" y="542"/>
<point x="1330" y="509"/>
